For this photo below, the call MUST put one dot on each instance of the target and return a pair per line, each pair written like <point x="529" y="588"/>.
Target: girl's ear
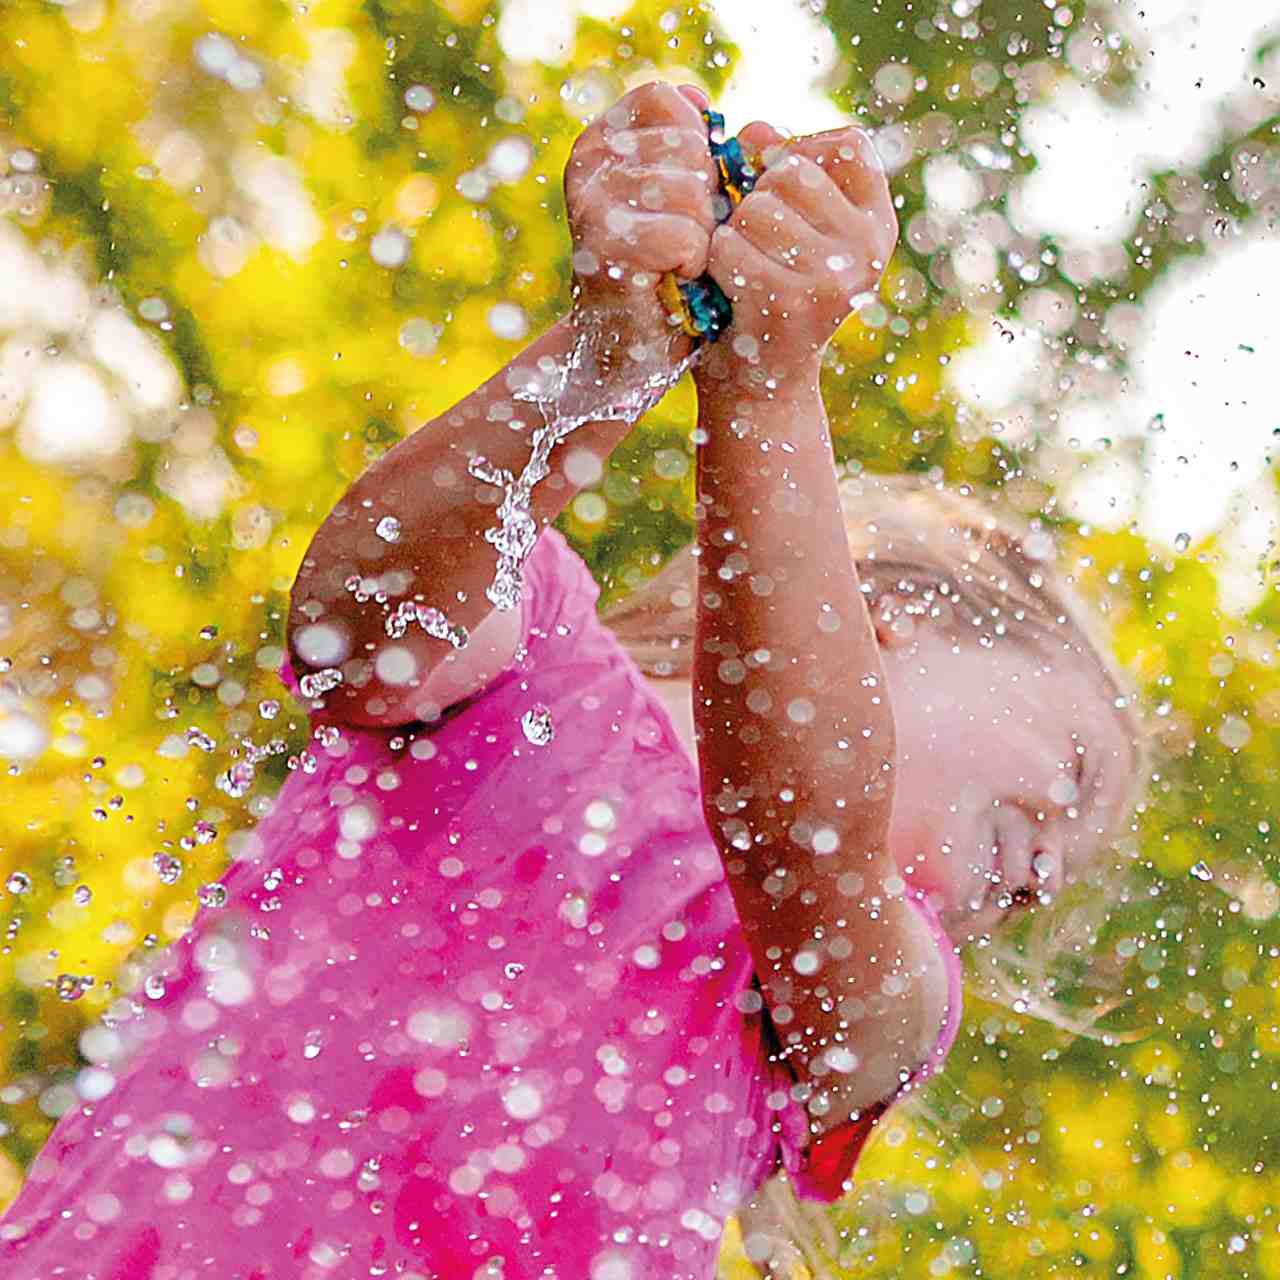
<point x="895" y="628"/>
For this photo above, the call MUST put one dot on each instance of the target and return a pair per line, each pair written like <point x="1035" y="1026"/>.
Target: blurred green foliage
<point x="309" y="212"/>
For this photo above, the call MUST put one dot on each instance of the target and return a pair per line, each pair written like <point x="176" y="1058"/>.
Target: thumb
<point x="695" y="95"/>
<point x="758" y="137"/>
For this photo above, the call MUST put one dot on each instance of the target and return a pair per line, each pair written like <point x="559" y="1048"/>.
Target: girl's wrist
<point x="725" y="380"/>
<point x="619" y="339"/>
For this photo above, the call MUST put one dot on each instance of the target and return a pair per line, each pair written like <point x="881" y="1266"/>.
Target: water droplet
<point x="1182" y="542"/>
<point x="390" y="247"/>
<point x="167" y="867"/>
<point x="213" y="895"/>
<point x="842" y="1060"/>
<point x="1201" y="871"/>
<point x="388" y="529"/>
<point x="367" y="1179"/>
<point x="317" y="683"/>
<point x="83" y="895"/>
<point x="1234" y="732"/>
<point x="18" y="882"/>
<point x="537" y="725"/>
<point x="522" y="1101"/>
<point x="800" y="711"/>
<point x="916" y="1203"/>
<point x="507" y="321"/>
<point x="237" y="780"/>
<point x="419" y="337"/>
<point x="71" y="986"/>
<point x="419" y="98"/>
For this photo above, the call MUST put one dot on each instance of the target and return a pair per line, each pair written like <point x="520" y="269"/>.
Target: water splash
<point x="431" y="620"/>
<point x="567" y="396"/>
<point x="317" y="683"/>
<point x="397" y="622"/>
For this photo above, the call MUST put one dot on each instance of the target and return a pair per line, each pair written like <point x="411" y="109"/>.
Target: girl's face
<point x="1014" y="770"/>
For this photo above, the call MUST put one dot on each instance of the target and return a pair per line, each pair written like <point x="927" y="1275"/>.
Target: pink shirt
<point x="472" y="998"/>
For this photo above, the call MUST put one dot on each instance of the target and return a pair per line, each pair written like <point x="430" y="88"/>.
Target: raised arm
<point x="796" y="734"/>
<point x="409" y="536"/>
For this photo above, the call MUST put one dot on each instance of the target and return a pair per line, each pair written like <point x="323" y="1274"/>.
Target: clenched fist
<point x="640" y="189"/>
<point x="818" y="230"/>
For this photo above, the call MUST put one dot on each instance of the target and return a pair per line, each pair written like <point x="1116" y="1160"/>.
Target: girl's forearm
<point x="788" y="679"/>
<point x="440" y="552"/>
<point x="796" y="735"/>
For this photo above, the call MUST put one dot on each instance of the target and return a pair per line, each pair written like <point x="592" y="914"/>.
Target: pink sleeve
<point x="819" y="1169"/>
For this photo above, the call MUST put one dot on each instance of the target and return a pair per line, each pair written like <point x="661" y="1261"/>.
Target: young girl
<point x="541" y="965"/>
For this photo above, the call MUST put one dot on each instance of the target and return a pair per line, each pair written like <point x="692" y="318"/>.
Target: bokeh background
<point x="247" y="245"/>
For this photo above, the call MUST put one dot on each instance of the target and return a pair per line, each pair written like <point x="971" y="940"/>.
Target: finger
<point x="807" y="188"/>
<point x="695" y="95"/>
<point x="665" y="189"/>
<point x="652" y="106"/>
<point x="862" y="180"/>
<point x="780" y="232"/>
<point x="657" y="188"/>
<point x="658" y="242"/>
<point x="759" y="140"/>
<point x="849" y="156"/>
<point x="759" y="134"/>
<point x="744" y="272"/>
<point x="651" y="143"/>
